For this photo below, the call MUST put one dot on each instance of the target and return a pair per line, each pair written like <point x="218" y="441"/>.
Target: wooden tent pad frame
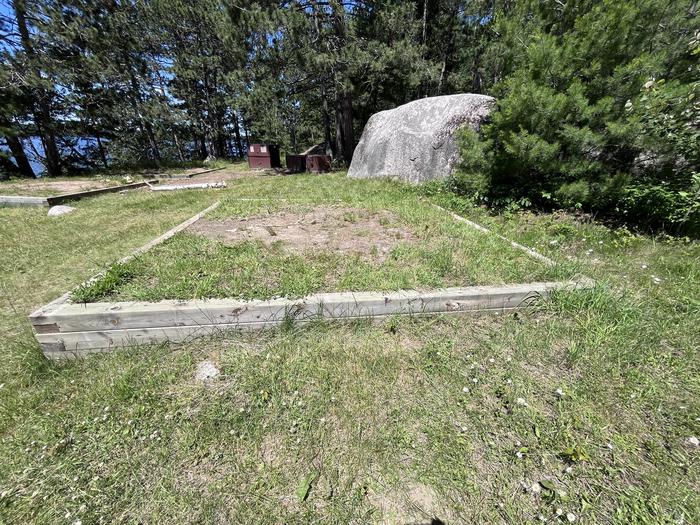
<point x="66" y="330"/>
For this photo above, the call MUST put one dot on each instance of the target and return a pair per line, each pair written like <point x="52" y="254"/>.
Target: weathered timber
<point x="188" y="175"/>
<point x="82" y="328"/>
<point x="200" y="186"/>
<point x="67" y="197"/>
<point x="532" y="253"/>
<point x="15" y="201"/>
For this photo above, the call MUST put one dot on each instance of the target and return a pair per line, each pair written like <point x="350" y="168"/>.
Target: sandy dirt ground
<point x="43" y="188"/>
<point x="369" y="234"/>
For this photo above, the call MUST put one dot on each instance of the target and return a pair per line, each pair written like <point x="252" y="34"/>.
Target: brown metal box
<point x="318" y="163"/>
<point x="263" y="156"/>
<point x="296" y="163"/>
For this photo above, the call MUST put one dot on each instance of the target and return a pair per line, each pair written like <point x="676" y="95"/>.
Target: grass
<point x="444" y="253"/>
<point x="589" y="398"/>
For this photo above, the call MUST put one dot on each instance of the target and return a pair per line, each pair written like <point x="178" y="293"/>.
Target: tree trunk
<point x="41" y="99"/>
<point x="179" y="147"/>
<point x="345" y="143"/>
<point x="203" y="152"/>
<point x="23" y="166"/>
<point x="101" y="149"/>
<point x="330" y="146"/>
<point x="135" y="99"/>
<point x="237" y="134"/>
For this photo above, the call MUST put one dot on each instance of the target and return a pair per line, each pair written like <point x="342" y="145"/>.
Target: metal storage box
<point x="263" y="156"/>
<point x="318" y="163"/>
<point x="296" y="163"/>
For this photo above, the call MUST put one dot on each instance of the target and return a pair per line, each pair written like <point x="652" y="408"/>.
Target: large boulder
<point x="416" y="142"/>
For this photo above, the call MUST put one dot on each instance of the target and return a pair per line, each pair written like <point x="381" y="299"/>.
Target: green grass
<point x="353" y="422"/>
<point x="444" y="252"/>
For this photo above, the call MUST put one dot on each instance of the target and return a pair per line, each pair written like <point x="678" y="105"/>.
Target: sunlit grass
<point x="583" y="406"/>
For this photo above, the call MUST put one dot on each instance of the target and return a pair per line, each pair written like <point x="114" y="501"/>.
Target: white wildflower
<point x="571" y="517"/>
<point x="465" y="390"/>
<point x="536" y="488"/>
<point x="521" y="401"/>
<point x="559" y="392"/>
<point x="692" y="440"/>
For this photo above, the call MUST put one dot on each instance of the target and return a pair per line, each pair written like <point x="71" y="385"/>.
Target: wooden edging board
<point x="15" y="201"/>
<point x="529" y="251"/>
<point x="67" y="197"/>
<point x="199" y="186"/>
<point x="67" y="330"/>
<point x="188" y="175"/>
<point x="65" y="298"/>
<point x="70" y="330"/>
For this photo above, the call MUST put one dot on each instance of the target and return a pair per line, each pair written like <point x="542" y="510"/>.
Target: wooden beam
<point x="98" y="326"/>
<point x="532" y="253"/>
<point x="200" y="186"/>
<point x="67" y="197"/>
<point x="188" y="175"/>
<point x="15" y="201"/>
<point x="65" y="298"/>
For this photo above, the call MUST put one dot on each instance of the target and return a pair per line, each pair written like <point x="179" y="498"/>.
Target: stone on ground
<point x="416" y="142"/>
<point x="55" y="211"/>
<point x="206" y="370"/>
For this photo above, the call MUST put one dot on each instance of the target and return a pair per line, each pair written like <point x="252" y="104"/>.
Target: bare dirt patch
<point x="57" y="187"/>
<point x="370" y="234"/>
<point x="413" y="503"/>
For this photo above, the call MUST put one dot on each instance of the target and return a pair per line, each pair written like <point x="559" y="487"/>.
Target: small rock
<point x="571" y="517"/>
<point x="55" y="211"/>
<point x="206" y="370"/>
<point x="521" y="401"/>
<point x="692" y="440"/>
